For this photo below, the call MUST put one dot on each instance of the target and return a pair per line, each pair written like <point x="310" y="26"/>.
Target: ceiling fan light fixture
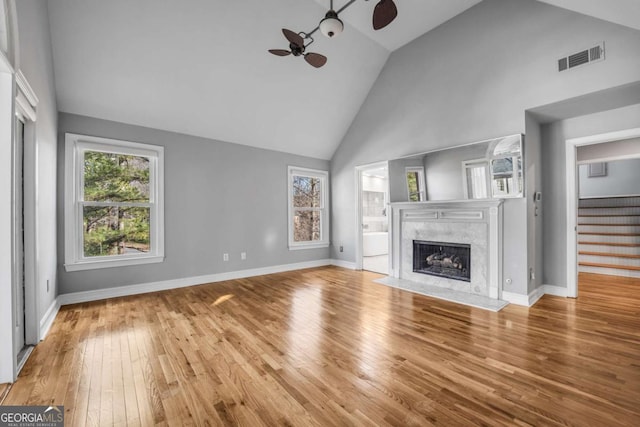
<point x="331" y="25"/>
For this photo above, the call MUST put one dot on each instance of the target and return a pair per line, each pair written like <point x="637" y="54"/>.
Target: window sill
<point x="300" y="246"/>
<point x="107" y="263"/>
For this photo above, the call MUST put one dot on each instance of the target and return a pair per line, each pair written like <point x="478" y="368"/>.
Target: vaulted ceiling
<point x="201" y="67"/>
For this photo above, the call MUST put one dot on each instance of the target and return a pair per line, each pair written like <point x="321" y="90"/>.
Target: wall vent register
<point x="586" y="56"/>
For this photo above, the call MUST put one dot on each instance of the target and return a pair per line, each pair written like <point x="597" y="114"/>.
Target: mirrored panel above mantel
<point x="480" y="170"/>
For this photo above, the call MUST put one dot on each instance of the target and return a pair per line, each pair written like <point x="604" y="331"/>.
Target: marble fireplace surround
<point x="474" y="222"/>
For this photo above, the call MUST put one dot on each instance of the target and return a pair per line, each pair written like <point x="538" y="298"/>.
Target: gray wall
<point x="623" y="179"/>
<point x="398" y="190"/>
<point x="554" y="136"/>
<point x="472" y="79"/>
<point x="219" y="197"/>
<point x="534" y="212"/>
<point x="443" y="171"/>
<point x="36" y="63"/>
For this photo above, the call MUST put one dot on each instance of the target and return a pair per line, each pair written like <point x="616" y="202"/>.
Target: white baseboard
<point x="48" y="318"/>
<point x="343" y="264"/>
<point x="559" y="291"/>
<point x="79" y="297"/>
<point x="521" y="299"/>
<point x="535" y="295"/>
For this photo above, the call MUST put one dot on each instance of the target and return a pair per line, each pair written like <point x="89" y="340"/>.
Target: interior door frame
<point x="571" y="148"/>
<point x="26" y="102"/>
<point x="358" y="229"/>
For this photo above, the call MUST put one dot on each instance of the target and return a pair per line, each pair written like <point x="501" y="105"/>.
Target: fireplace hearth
<point x="451" y="260"/>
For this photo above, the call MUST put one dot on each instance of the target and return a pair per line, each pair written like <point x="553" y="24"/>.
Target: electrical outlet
<point x="341" y="248"/>
<point x="225" y="257"/>
<point x="243" y="255"/>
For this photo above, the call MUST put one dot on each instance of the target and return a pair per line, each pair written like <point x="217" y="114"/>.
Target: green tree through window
<point x="116" y="211"/>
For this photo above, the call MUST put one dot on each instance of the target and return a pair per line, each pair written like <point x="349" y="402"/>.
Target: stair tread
<point x="633" y="256"/>
<point x="608" y="207"/>
<point x="592" y="233"/>
<point x="633" y="245"/>
<point x="606" y="216"/>
<point x="617" y="267"/>
<point x="610" y="225"/>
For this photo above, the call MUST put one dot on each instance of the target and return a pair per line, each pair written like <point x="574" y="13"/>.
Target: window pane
<point x="110" y="177"/>
<point x="502" y="167"/>
<point x="306" y="226"/>
<point x="306" y="192"/>
<point x="115" y="230"/>
<point x="413" y="184"/>
<point x="477" y="182"/>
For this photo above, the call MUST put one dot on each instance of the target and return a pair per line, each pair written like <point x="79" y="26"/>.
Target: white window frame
<point x="472" y="164"/>
<point x="422" y="184"/>
<point x="75" y="146"/>
<point x="323" y="176"/>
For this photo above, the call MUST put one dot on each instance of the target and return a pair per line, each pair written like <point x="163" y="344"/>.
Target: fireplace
<point x="451" y="260"/>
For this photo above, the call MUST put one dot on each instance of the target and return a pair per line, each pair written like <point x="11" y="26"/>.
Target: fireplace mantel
<point x="477" y="222"/>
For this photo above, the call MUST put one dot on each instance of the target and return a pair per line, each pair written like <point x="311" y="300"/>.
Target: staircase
<point x="609" y="236"/>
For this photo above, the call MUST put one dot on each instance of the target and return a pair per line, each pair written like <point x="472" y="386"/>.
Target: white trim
<point x="75" y="146"/>
<point x="535" y="295"/>
<point x="323" y="176"/>
<point x="5" y="64"/>
<point x="558" y="291"/>
<point x="517" y="299"/>
<point x="571" y="146"/>
<point x="344" y="264"/>
<point x="112" y="262"/>
<point x="142" y="288"/>
<point x="26" y="89"/>
<point x="523" y="300"/>
<point x="47" y="320"/>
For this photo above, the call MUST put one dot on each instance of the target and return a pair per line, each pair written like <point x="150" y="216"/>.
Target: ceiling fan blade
<point x="293" y="38"/>
<point x="280" y="52"/>
<point x="384" y="12"/>
<point x="315" y="59"/>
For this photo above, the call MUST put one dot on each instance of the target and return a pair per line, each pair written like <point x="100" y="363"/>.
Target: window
<point x="308" y="216"/>
<point x="475" y="176"/>
<point x="113" y="203"/>
<point x="506" y="176"/>
<point x="416" y="184"/>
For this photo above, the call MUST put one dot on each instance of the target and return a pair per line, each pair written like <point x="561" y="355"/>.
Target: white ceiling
<point x="201" y="67"/>
<point x="415" y="17"/>
<point x="623" y="12"/>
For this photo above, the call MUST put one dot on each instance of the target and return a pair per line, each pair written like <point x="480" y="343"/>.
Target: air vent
<point x="582" y="57"/>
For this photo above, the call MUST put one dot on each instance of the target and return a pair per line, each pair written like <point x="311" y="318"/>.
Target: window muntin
<point x="114" y="206"/>
<point x="308" y="216"/>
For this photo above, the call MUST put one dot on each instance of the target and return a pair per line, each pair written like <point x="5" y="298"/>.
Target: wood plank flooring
<point x="328" y="346"/>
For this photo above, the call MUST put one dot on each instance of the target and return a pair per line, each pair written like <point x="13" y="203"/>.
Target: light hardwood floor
<point x="327" y="346"/>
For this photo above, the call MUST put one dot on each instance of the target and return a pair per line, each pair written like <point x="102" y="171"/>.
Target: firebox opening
<point x="451" y="260"/>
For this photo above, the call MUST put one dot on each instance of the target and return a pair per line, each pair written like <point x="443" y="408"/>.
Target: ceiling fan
<point x="383" y="14"/>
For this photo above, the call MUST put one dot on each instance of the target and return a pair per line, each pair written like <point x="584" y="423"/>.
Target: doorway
<point x="19" y="306"/>
<point x="373" y="220"/>
<point x="572" y="200"/>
